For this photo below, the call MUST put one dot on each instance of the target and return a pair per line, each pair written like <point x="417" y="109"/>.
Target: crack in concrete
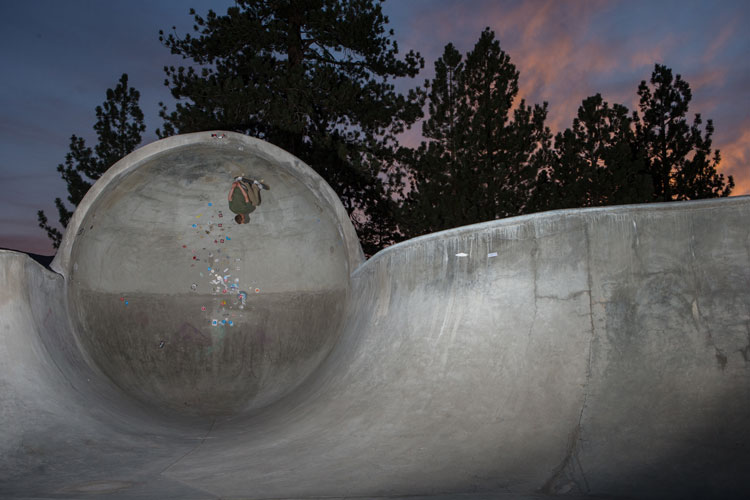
<point x="194" y="448"/>
<point x="572" y="459"/>
<point x="701" y="324"/>
<point x="571" y="296"/>
<point x="535" y="265"/>
<point x="591" y="349"/>
<point x="745" y="351"/>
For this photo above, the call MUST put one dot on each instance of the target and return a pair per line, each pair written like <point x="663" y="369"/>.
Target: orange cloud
<point x="567" y="51"/>
<point x="735" y="161"/>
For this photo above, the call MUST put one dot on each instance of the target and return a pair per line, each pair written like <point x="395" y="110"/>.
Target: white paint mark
<point x="492" y="254"/>
<point x="462" y="254"/>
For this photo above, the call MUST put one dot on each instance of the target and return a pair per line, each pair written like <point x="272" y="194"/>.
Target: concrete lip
<point x="581" y="353"/>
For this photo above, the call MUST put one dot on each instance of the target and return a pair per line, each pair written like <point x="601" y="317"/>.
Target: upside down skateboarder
<point x="244" y="197"/>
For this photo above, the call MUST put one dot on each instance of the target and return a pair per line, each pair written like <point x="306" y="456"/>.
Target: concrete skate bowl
<point x="182" y="307"/>
<point x="583" y="353"/>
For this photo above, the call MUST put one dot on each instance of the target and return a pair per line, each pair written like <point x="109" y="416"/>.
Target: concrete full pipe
<point x="599" y="352"/>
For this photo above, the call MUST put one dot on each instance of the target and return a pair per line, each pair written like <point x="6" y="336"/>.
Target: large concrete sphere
<point x="185" y="309"/>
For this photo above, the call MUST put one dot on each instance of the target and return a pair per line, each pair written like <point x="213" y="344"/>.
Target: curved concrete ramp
<point x="600" y="352"/>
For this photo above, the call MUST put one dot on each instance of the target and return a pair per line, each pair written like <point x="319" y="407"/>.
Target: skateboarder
<point x="244" y="197"/>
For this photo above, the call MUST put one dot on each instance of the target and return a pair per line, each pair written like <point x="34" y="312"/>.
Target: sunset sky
<point x="59" y="58"/>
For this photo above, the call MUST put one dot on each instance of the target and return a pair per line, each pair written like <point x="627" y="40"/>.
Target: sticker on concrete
<point x="492" y="254"/>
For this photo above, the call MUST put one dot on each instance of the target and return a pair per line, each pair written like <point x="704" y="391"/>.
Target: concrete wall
<point x="598" y="352"/>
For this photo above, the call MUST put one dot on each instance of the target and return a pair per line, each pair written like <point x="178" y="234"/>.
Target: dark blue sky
<point x="59" y="57"/>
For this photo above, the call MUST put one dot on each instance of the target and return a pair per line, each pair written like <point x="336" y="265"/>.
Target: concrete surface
<point x="599" y="353"/>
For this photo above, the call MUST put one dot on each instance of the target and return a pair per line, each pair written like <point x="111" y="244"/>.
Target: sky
<point x="58" y="58"/>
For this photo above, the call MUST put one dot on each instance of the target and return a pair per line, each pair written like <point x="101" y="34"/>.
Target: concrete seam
<point x="575" y="436"/>
<point x="701" y="324"/>
<point x="591" y="350"/>
<point x="194" y="448"/>
<point x="745" y="351"/>
<point x="535" y="258"/>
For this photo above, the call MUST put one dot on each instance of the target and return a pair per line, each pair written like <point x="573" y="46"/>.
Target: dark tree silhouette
<point x="480" y="162"/>
<point x="679" y="156"/>
<point x="596" y="161"/>
<point x="310" y="76"/>
<point x="119" y="125"/>
<point x="610" y="158"/>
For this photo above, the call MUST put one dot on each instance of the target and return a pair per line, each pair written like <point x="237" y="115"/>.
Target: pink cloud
<point x="706" y="77"/>
<point x="720" y="40"/>
<point x="735" y="160"/>
<point x="567" y="51"/>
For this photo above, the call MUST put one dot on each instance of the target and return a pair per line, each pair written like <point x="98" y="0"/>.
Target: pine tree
<point x="680" y="159"/>
<point x="310" y="76"/>
<point x="480" y="161"/>
<point x="609" y="158"/>
<point x="596" y="161"/>
<point x="119" y="125"/>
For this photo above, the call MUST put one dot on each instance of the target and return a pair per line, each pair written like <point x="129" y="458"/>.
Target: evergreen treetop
<point x="313" y="77"/>
<point x="119" y="126"/>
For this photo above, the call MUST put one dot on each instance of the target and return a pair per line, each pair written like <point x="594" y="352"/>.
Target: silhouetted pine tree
<point x="119" y="125"/>
<point x="679" y="156"/>
<point x="310" y="76"/>
<point x="596" y="161"/>
<point x="609" y="158"/>
<point x="479" y="162"/>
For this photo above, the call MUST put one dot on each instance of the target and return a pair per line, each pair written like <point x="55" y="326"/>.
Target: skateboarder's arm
<point x="244" y="192"/>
